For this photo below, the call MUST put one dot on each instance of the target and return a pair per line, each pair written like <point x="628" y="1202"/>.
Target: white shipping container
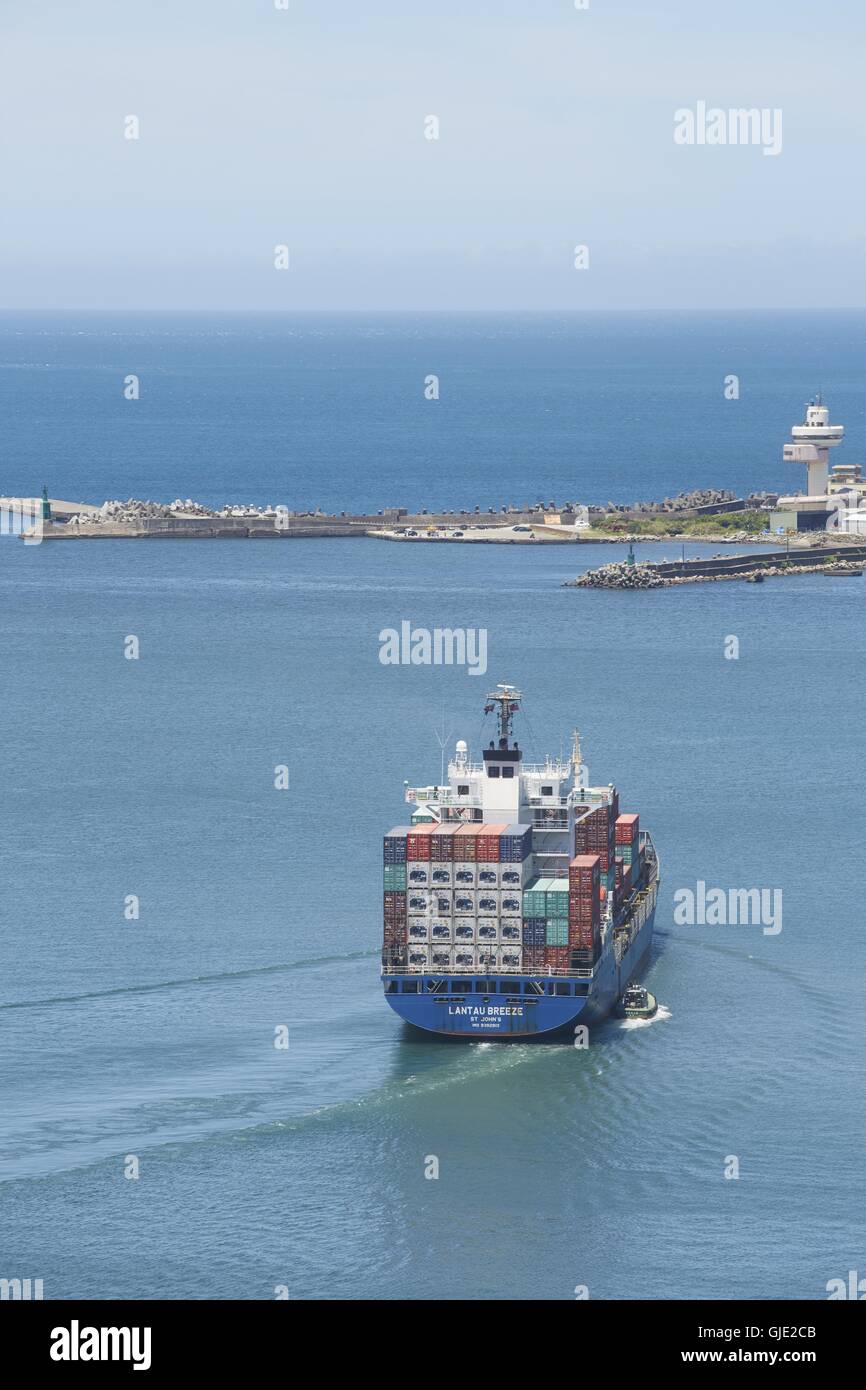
<point x="463" y="958"/>
<point x="488" y="875"/>
<point x="488" y="902"/>
<point x="464" y="902"/>
<point x="418" y="904"/>
<point x="441" y="902"/>
<point x="465" y="875"/>
<point x="514" y="876"/>
<point x="511" y="931"/>
<point x="418" y="957"/>
<point x="441" y="958"/>
<point x="511" y="958"/>
<point x="441" y="930"/>
<point x="418" y="930"/>
<point x="417" y="874"/>
<point x="510" y="903"/>
<point x="441" y="875"/>
<point x="465" y="931"/>
<point x="487" y="957"/>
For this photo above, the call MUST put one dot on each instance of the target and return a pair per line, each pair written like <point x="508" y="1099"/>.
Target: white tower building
<point x="813" y="441"/>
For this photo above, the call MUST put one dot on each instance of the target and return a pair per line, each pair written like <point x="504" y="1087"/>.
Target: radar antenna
<point x="507" y="698"/>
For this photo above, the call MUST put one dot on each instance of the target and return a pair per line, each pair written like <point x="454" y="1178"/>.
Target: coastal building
<point x="810" y="447"/>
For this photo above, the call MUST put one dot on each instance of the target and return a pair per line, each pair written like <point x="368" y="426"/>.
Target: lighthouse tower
<point x="813" y="441"/>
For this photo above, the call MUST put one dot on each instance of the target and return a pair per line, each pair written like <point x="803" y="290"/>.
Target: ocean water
<point x="329" y="410"/>
<point x="153" y="1039"/>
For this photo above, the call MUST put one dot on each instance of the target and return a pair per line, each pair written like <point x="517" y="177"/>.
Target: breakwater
<point x="772" y="564"/>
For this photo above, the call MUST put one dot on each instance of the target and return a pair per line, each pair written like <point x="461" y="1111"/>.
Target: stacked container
<point x="595" y="833"/>
<point x="627" y="855"/>
<point x="584" y="909"/>
<point x="462" y="892"/>
<point x="394" y="940"/>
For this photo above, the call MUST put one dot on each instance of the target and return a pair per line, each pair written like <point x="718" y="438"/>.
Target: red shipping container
<point x="556" y="957"/>
<point x="627" y="828"/>
<point x="533" y="958"/>
<point x="395" y="933"/>
<point x="418" y="842"/>
<point x="487" y="842"/>
<point x="395" y="906"/>
<point x="442" y="846"/>
<point x="465" y="843"/>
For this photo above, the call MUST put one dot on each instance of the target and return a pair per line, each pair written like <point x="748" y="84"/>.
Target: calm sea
<point x="148" y="1043"/>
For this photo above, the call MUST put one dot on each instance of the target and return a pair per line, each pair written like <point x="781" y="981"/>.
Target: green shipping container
<point x="557" y="932"/>
<point x="395" y="878"/>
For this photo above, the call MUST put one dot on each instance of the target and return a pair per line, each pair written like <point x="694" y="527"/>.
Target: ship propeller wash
<point x="518" y="901"/>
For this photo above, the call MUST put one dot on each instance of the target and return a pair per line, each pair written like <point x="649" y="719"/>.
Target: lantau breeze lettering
<point x="76" y="1343"/>
<point x="501" y="1010"/>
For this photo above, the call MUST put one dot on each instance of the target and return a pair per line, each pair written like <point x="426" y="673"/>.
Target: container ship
<point x="518" y="901"/>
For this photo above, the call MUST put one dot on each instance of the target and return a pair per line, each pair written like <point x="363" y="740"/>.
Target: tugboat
<point x="637" y="1002"/>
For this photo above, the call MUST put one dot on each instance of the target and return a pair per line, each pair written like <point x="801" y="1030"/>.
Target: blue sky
<point x="306" y="128"/>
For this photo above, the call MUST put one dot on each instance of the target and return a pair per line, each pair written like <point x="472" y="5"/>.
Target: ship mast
<point x="507" y="698"/>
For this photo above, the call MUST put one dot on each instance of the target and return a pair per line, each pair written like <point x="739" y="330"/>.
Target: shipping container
<point x="627" y="828"/>
<point x="417" y="903"/>
<point x="511" y="931"/>
<point x="441" y="875"/>
<point x="465" y="873"/>
<point x="417" y="873"/>
<point x="534" y="931"/>
<point x="488" y="874"/>
<point x="556" y="897"/>
<point x="441" y="929"/>
<point x="511" y="958"/>
<point x="395" y="878"/>
<point x="419" y="929"/>
<point x="395" y="845"/>
<point x="515" y="876"/>
<point x="395" y="934"/>
<point x="442" y="846"/>
<point x="418" y="842"/>
<point x="464" y="902"/>
<point x="418" y="957"/>
<point x="515" y="843"/>
<point x="534" y="898"/>
<point x="487" y="932"/>
<point x="510" y="903"/>
<point x="487" y="902"/>
<point x="395" y="905"/>
<point x="556" y="957"/>
<point x="487" y="841"/>
<point x="464" y="843"/>
<point x="464" y="958"/>
<point x="464" y="929"/>
<point x="441" y="902"/>
<point x="557" y="932"/>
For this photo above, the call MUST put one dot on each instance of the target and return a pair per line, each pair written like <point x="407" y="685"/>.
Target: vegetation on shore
<point x="719" y="524"/>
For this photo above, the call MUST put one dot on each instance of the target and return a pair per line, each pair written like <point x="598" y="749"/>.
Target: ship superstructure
<point x="518" y="900"/>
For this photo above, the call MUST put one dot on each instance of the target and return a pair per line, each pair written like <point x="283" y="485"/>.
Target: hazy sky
<point x="305" y="127"/>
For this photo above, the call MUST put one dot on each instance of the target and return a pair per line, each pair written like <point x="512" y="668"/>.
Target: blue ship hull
<point x="511" y="1007"/>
